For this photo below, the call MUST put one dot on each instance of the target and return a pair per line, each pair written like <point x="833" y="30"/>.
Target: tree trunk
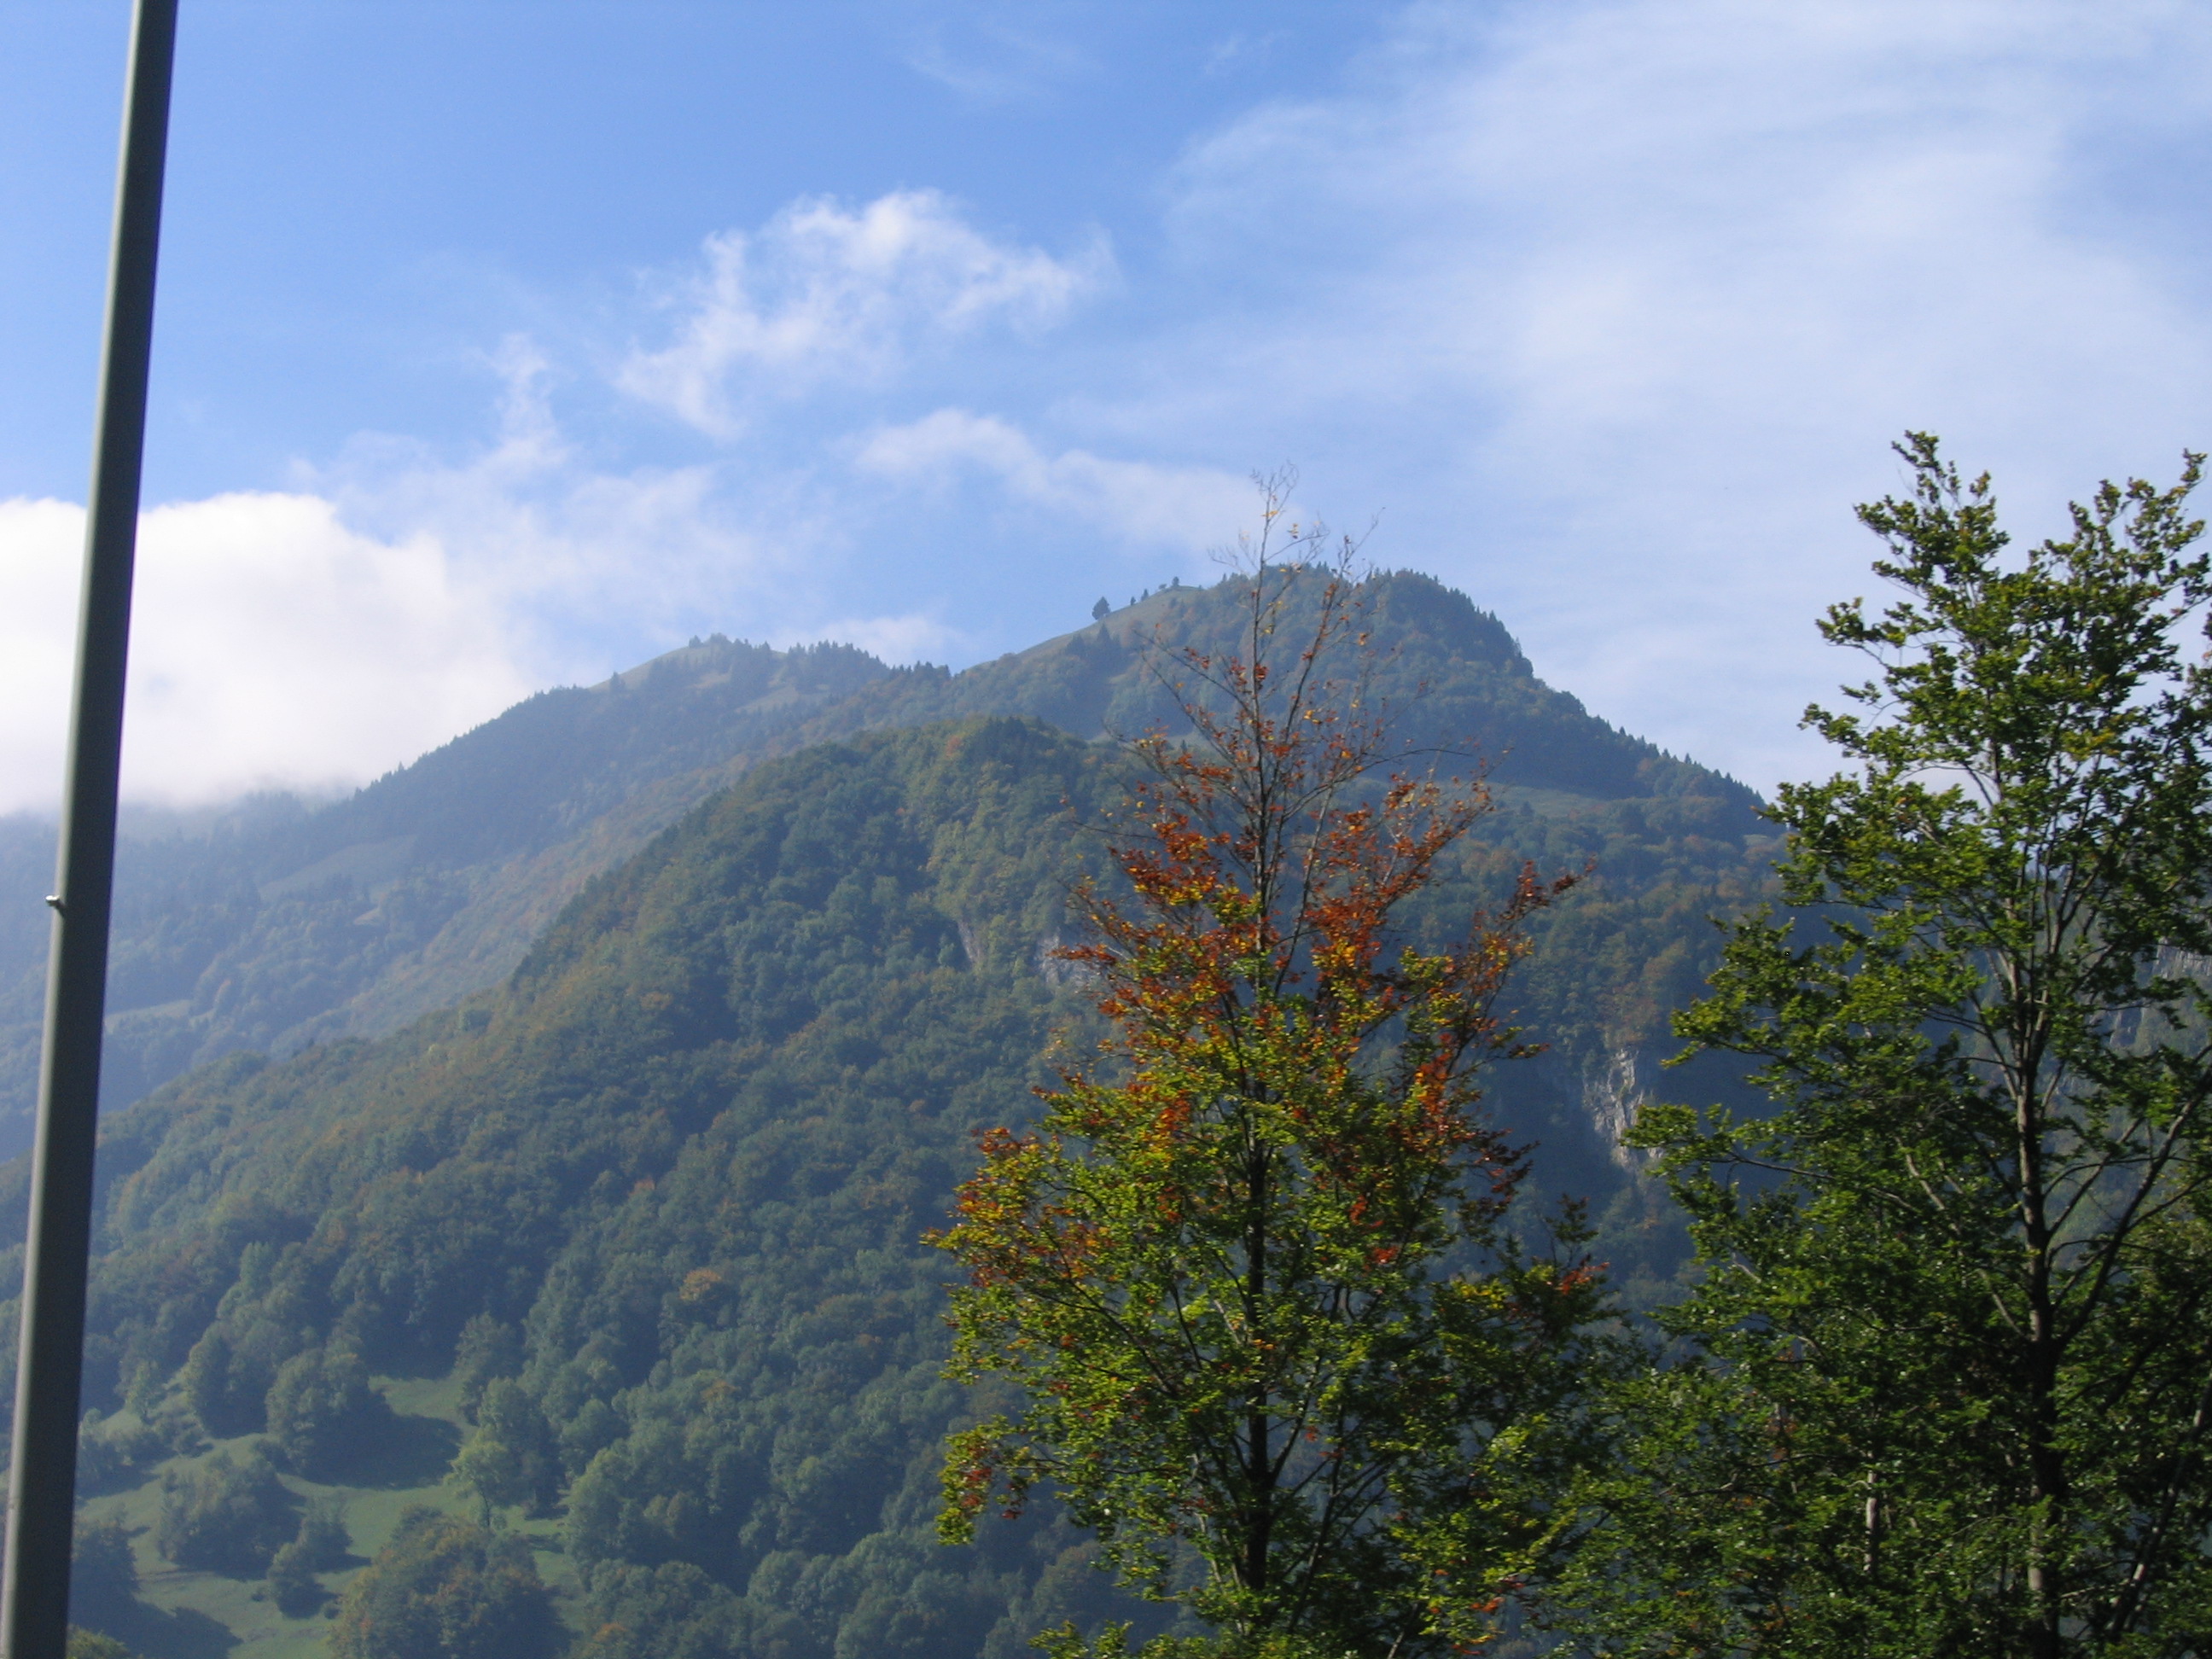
<point x="2046" y="1464"/>
<point x="1260" y="1473"/>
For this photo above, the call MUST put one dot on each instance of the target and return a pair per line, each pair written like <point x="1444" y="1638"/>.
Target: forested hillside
<point x="632" y="1242"/>
<point x="595" y="1305"/>
<point x="272" y="925"/>
<point x="672" y="1177"/>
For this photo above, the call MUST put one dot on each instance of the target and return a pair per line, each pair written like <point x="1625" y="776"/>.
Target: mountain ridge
<point x="641" y="1224"/>
<point x="282" y="925"/>
<point x="669" y="1181"/>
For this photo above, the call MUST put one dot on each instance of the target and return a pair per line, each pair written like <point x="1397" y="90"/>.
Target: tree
<point x="510" y="1459"/>
<point x="293" y="1582"/>
<point x="1101" y="610"/>
<point x="1947" y="1390"/>
<point x="322" y="1412"/>
<point x="487" y="1349"/>
<point x="103" y="1575"/>
<point x="91" y="1645"/>
<point x="113" y="1452"/>
<point x="322" y="1545"/>
<point x="444" y="1590"/>
<point x="1258" y="1288"/>
<point x="225" y="1516"/>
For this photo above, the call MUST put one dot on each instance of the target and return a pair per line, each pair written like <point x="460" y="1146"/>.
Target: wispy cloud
<point x="590" y="564"/>
<point x="910" y="637"/>
<point x="827" y="292"/>
<point x="996" y="60"/>
<point x="1237" y="51"/>
<point x="1614" y="306"/>
<point x="397" y="595"/>
<point x="1193" y="508"/>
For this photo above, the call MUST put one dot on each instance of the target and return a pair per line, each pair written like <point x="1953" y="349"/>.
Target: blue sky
<point x="501" y="344"/>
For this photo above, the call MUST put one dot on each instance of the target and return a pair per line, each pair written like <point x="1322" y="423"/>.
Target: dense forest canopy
<point x="621" y="1257"/>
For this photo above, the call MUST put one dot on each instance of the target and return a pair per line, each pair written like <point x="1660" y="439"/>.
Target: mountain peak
<point x="353" y="917"/>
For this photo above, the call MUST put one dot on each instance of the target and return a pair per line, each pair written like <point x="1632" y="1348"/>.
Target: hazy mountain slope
<point x="677" y="1170"/>
<point x="687" y="1153"/>
<point x="273" y="925"/>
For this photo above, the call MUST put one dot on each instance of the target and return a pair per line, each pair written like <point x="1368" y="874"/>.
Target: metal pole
<point x="42" y="1483"/>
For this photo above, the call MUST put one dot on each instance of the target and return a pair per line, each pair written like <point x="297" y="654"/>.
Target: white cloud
<point x="1195" y="508"/>
<point x="824" y="292"/>
<point x="270" y="644"/>
<point x="41" y="544"/>
<point x="395" y="597"/>
<point x="317" y="637"/>
<point x="1615" y="306"/>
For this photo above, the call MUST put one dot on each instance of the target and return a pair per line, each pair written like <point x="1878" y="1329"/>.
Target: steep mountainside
<point x="273" y="925"/>
<point x="671" y="1179"/>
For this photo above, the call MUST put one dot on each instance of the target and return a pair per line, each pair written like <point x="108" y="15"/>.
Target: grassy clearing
<point x="205" y="1615"/>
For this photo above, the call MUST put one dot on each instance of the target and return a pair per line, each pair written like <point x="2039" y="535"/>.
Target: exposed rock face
<point x="1614" y="1085"/>
<point x="1057" y="969"/>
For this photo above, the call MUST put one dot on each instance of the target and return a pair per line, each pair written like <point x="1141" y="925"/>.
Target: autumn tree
<point x="1253" y="1273"/>
<point x="1947" y="1385"/>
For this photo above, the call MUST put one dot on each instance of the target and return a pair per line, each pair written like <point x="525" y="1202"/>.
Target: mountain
<point x="633" y="1234"/>
<point x="277" y="924"/>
